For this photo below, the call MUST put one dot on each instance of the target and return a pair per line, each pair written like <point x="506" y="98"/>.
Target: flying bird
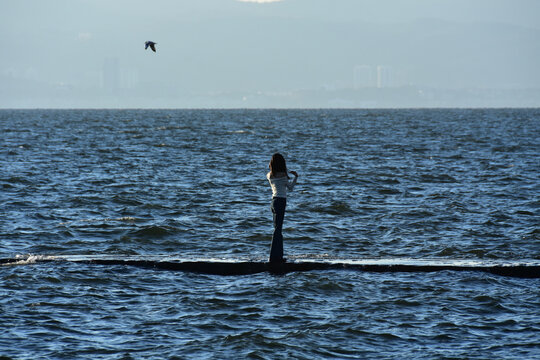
<point x="151" y="44"/>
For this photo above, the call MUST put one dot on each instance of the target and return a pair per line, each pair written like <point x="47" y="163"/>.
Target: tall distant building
<point x="111" y="74"/>
<point x="129" y="77"/>
<point x="385" y="77"/>
<point x="364" y="77"/>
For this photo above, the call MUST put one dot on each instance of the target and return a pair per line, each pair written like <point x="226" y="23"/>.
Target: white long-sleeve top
<point x="280" y="185"/>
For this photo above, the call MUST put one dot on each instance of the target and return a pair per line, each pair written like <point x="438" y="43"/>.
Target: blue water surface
<point x="440" y="183"/>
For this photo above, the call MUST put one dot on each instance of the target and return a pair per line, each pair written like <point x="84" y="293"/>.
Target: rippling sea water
<point x="445" y="183"/>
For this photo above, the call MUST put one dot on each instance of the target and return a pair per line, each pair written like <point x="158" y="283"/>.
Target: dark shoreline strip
<point x="253" y="267"/>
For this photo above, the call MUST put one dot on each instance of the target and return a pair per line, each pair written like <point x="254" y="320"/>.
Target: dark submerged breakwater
<point x="528" y="269"/>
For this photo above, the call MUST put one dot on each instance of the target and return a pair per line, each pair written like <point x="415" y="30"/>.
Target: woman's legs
<point x="278" y="210"/>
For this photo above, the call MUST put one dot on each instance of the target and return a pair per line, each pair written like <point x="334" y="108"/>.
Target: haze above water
<point x="290" y="53"/>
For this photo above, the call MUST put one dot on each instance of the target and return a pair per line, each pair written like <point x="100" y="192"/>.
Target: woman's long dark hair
<point x="277" y="165"/>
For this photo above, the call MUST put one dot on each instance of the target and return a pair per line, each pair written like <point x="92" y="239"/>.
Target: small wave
<point x="17" y="180"/>
<point x="130" y="131"/>
<point x="129" y="219"/>
<point x="405" y="302"/>
<point x="389" y="181"/>
<point x="507" y="148"/>
<point x="524" y="212"/>
<point x="532" y="234"/>
<point x="437" y="195"/>
<point x="389" y="336"/>
<point x="500" y="215"/>
<point x="478" y="253"/>
<point x="510" y="179"/>
<point x="240" y="132"/>
<point x="125" y="200"/>
<point x="335" y="208"/>
<point x="448" y="251"/>
<point x="442" y="178"/>
<point x="419" y="213"/>
<point x="154" y="231"/>
<point x="388" y="191"/>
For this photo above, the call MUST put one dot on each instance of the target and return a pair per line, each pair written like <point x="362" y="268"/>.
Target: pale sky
<point x="209" y="46"/>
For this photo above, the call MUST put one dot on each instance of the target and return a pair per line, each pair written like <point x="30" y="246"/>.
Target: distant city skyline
<point x="96" y="49"/>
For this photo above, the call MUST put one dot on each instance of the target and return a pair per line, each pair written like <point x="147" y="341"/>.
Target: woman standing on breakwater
<point x="279" y="181"/>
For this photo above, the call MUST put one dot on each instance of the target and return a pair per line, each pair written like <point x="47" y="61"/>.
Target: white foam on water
<point x="29" y="259"/>
<point x="426" y="262"/>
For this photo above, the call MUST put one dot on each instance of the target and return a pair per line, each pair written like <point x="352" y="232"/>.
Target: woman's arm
<point x="290" y="185"/>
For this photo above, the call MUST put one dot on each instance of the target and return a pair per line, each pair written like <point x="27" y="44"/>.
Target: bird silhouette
<point x="151" y="44"/>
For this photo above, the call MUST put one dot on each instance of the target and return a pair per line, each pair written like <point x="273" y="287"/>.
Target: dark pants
<point x="278" y="209"/>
